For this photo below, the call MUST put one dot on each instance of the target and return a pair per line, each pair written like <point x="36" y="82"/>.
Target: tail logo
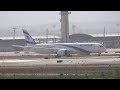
<point x="28" y="38"/>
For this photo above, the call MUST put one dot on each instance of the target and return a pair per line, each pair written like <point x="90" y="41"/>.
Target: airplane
<point x="61" y="49"/>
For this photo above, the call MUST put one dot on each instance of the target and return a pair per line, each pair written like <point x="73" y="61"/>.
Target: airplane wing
<point x="18" y="46"/>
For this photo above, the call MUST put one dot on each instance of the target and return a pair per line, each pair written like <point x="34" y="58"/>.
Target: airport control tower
<point x="65" y="26"/>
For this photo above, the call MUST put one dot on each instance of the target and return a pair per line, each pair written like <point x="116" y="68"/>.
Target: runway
<point x="36" y="64"/>
<point x="33" y="59"/>
<point x="61" y="61"/>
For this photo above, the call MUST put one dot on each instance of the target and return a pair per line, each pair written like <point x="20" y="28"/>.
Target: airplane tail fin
<point x="28" y="38"/>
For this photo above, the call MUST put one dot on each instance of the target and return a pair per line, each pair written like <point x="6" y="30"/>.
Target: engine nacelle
<point x="63" y="52"/>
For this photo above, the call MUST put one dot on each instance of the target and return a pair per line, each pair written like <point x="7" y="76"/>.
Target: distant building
<point x="80" y="38"/>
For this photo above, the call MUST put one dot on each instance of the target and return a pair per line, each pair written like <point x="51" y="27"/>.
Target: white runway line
<point x="15" y="61"/>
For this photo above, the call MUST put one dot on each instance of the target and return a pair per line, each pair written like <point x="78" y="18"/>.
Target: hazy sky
<point x="19" y="18"/>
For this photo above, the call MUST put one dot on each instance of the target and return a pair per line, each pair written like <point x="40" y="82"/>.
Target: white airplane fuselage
<point x="62" y="49"/>
<point x="72" y="47"/>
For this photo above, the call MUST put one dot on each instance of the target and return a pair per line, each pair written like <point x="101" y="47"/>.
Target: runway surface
<point x="35" y="63"/>
<point x="61" y="61"/>
<point x="34" y="59"/>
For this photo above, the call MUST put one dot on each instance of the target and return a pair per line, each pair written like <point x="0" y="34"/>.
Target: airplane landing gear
<point x="99" y="54"/>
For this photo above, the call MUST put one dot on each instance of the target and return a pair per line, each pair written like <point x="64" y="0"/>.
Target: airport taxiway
<point x="36" y="64"/>
<point x="34" y="59"/>
<point x="63" y="61"/>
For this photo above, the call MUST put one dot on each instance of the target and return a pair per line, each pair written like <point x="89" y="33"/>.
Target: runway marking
<point x="15" y="61"/>
<point x="54" y="61"/>
<point x="66" y="61"/>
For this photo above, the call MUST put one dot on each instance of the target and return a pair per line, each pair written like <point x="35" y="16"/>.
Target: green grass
<point x="95" y="75"/>
<point x="105" y="75"/>
<point x="18" y="76"/>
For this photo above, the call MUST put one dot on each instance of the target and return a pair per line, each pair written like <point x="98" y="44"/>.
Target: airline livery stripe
<point x="76" y="48"/>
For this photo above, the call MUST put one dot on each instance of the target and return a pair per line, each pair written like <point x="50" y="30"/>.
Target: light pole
<point x="118" y="34"/>
<point x="54" y="41"/>
<point x="73" y="27"/>
<point x="47" y="35"/>
<point x="14" y="40"/>
<point x="14" y="35"/>
<point x="104" y="37"/>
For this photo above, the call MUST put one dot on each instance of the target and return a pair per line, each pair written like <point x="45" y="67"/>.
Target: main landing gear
<point x="99" y="54"/>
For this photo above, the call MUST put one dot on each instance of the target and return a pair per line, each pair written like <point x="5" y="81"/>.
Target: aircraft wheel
<point x="99" y="54"/>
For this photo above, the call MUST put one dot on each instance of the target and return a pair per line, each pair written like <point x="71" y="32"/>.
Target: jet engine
<point x="63" y="52"/>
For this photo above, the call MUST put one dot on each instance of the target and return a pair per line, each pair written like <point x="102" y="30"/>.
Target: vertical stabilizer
<point x="28" y="38"/>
